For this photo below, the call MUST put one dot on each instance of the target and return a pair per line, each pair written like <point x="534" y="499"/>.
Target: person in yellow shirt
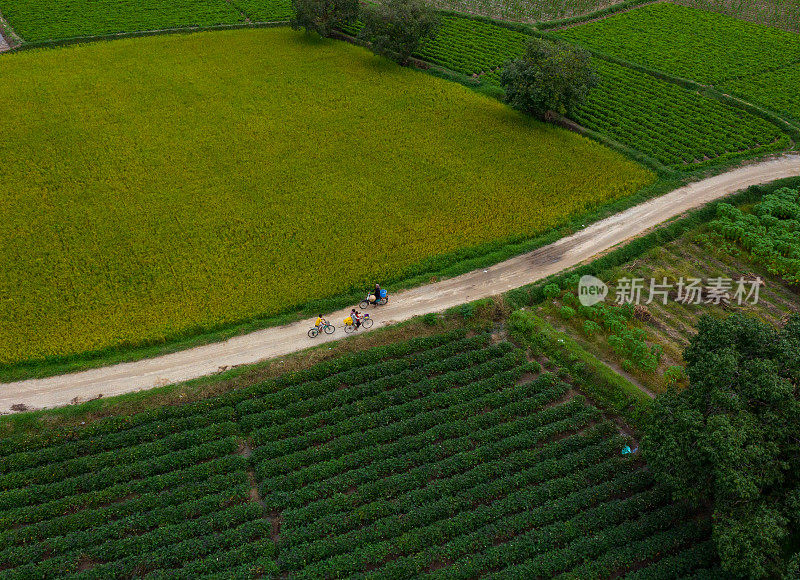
<point x="320" y="323"/>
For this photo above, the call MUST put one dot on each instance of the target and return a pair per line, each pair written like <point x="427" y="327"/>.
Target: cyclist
<point x="356" y="318"/>
<point x="320" y="323"/>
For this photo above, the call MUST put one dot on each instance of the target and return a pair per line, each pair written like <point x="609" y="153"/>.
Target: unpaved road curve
<point x="276" y="341"/>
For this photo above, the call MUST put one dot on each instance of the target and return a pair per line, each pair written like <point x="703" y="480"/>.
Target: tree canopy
<point x="396" y="28"/>
<point x="731" y="440"/>
<point x="323" y="16"/>
<point x="550" y="76"/>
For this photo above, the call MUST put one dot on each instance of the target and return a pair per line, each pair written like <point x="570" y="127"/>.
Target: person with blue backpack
<point x="377" y="294"/>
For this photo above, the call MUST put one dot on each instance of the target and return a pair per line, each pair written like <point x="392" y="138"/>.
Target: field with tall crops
<point x="442" y="457"/>
<point x="181" y="183"/>
<point x="780" y="13"/>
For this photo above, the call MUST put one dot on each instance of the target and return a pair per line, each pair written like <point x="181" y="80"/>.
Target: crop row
<point x="316" y="395"/>
<point x="319" y="494"/>
<point x="559" y="499"/>
<point x="405" y="491"/>
<point x="139" y="506"/>
<point x="352" y="543"/>
<point x="689" y="43"/>
<point x="669" y="123"/>
<point x="337" y="456"/>
<point x="412" y="471"/>
<point x="771" y="233"/>
<point x="57" y="507"/>
<point x="133" y="472"/>
<point x="161" y="547"/>
<point x="775" y="89"/>
<point x="135" y="524"/>
<point x="425" y="395"/>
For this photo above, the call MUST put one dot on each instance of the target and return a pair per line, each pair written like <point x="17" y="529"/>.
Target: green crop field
<point x="442" y="457"/>
<point x="776" y="89"/>
<point x="184" y="182"/>
<point x="677" y="127"/>
<point x="781" y="13"/>
<point x="525" y="10"/>
<point x="685" y="42"/>
<point x="36" y="20"/>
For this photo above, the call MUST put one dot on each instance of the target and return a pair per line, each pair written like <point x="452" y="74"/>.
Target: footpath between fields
<point x="272" y="342"/>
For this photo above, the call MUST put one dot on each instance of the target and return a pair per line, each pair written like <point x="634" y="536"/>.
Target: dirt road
<point x="276" y="341"/>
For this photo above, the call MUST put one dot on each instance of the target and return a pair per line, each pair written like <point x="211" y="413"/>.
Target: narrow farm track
<point x="271" y="342"/>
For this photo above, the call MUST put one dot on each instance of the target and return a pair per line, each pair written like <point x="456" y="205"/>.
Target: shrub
<point x="567" y="313"/>
<point x="551" y="291"/>
<point x="591" y="328"/>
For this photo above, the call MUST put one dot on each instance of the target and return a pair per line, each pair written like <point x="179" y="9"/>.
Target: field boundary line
<point x="522" y="270"/>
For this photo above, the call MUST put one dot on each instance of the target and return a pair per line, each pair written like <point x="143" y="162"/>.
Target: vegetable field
<point x="776" y="89"/>
<point x="771" y="234"/>
<point x="40" y="20"/>
<point x="781" y="13"/>
<point x="183" y="183"/>
<point x="449" y="456"/>
<point x="694" y="44"/>
<point x="679" y="128"/>
<point x="525" y="10"/>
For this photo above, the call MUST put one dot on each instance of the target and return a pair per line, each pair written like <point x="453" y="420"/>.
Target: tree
<point x="323" y="16"/>
<point x="550" y="76"/>
<point x="395" y="29"/>
<point x="731" y="440"/>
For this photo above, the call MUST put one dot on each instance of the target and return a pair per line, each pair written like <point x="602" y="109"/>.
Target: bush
<point x="550" y="77"/>
<point x="396" y="28"/>
<point x="591" y="328"/>
<point x="567" y="313"/>
<point x="551" y="291"/>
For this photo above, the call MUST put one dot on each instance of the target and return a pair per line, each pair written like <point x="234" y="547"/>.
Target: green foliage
<point x="685" y="42"/>
<point x="117" y="262"/>
<point x="591" y="328"/>
<point x="396" y="28"/>
<point x="551" y="291"/>
<point x="729" y="439"/>
<point x="39" y="20"/>
<point x="323" y="16"/>
<point x="673" y="375"/>
<point x="549" y="77"/>
<point x="771" y="233"/>
<point x="567" y="312"/>
<point x="678" y="127"/>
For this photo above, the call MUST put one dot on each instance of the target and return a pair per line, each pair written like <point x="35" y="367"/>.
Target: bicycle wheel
<point x="367" y="323"/>
<point x="330" y="329"/>
<point x="349" y="328"/>
<point x="364" y="304"/>
<point x="313" y="333"/>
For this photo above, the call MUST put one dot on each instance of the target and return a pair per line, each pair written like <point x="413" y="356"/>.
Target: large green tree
<point x="323" y="16"/>
<point x="396" y="28"/>
<point x="731" y="440"/>
<point x="550" y="76"/>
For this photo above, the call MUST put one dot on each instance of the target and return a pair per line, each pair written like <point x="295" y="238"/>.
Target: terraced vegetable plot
<point x="180" y="183"/>
<point x="781" y="13"/>
<point x="36" y="20"/>
<point x="690" y="43"/>
<point x="449" y="456"/>
<point x="679" y="128"/>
